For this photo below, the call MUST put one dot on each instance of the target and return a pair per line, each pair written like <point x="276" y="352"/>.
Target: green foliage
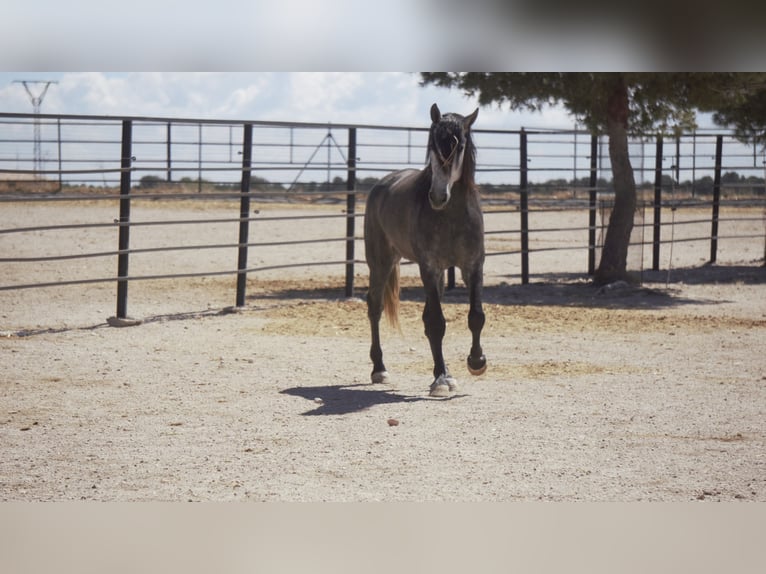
<point x="747" y="115"/>
<point x="658" y="103"/>
<point x="150" y="182"/>
<point x="746" y="185"/>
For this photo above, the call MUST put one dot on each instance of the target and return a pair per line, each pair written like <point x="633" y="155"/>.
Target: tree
<point x="150" y="181"/>
<point x="747" y="116"/>
<point x="615" y="104"/>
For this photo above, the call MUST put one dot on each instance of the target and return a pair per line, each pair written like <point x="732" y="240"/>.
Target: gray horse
<point x="433" y="217"/>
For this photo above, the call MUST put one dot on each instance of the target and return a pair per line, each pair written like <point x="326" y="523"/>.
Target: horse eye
<point x="445" y="148"/>
<point x="447" y="143"/>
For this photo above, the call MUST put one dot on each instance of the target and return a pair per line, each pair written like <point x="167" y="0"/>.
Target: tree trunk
<point x="614" y="256"/>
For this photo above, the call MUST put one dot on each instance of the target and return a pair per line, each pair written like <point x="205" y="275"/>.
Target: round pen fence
<point x="704" y="190"/>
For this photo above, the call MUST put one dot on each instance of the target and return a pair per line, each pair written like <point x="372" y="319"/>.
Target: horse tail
<point x="391" y="297"/>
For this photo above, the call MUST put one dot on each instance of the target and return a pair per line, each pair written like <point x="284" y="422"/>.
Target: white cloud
<point x="388" y="98"/>
<point x="324" y="93"/>
<point x="240" y="100"/>
<point x="99" y="93"/>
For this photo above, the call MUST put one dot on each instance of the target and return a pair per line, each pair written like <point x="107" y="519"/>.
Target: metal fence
<point x="521" y="173"/>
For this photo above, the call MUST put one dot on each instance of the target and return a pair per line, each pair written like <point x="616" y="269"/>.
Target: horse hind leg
<point x="380" y="289"/>
<point x="374" y="311"/>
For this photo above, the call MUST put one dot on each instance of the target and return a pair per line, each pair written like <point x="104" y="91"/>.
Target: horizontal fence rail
<point x="698" y="179"/>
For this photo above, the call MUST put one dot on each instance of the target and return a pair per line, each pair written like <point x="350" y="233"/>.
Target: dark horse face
<point x="447" y="143"/>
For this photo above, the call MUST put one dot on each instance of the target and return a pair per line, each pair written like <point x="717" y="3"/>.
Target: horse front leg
<point x="436" y="326"/>
<point x="477" y="362"/>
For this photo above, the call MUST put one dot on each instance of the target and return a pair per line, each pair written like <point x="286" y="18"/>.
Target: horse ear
<point x="468" y="121"/>
<point x="436" y="115"/>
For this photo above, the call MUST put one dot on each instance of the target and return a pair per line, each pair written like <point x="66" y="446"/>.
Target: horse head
<point x="450" y="151"/>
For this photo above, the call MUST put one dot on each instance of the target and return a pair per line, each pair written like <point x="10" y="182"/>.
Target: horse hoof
<point x="440" y="390"/>
<point x="477" y="366"/>
<point x="443" y="386"/>
<point x="379" y="378"/>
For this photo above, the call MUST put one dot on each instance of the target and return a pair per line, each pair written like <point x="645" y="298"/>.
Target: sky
<point x="362" y="98"/>
<point x="378" y="98"/>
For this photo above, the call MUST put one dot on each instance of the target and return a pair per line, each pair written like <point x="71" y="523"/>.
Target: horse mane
<point x="469" y="164"/>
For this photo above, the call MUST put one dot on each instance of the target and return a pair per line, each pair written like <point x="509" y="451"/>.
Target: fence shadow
<point x="710" y="274"/>
<point x="658" y="289"/>
<point x="346" y="399"/>
<point x="160" y="318"/>
<point x="582" y="294"/>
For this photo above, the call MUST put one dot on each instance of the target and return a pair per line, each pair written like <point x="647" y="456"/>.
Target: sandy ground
<point x="649" y="393"/>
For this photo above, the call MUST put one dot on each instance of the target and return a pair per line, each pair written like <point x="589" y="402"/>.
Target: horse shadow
<point x="347" y="399"/>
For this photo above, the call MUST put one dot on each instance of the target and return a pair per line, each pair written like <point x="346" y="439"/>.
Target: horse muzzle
<point x="438" y="197"/>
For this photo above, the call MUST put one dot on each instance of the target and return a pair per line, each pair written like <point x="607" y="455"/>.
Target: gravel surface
<point x="655" y="392"/>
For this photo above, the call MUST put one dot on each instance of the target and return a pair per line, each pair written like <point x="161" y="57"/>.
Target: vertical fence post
<point x="592" y="197"/>
<point x="61" y="180"/>
<point x="524" y="207"/>
<point x="451" y="278"/>
<point x="657" y="226"/>
<point x="124" y="232"/>
<point x="169" y="162"/>
<point x="350" y="211"/>
<point x="199" y="158"/>
<point x="716" y="199"/>
<point x="244" y="213"/>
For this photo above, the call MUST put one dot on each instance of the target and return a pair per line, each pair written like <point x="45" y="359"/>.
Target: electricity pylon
<point x="37" y="102"/>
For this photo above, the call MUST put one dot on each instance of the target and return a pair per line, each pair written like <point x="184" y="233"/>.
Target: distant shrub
<point x="150" y="181"/>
